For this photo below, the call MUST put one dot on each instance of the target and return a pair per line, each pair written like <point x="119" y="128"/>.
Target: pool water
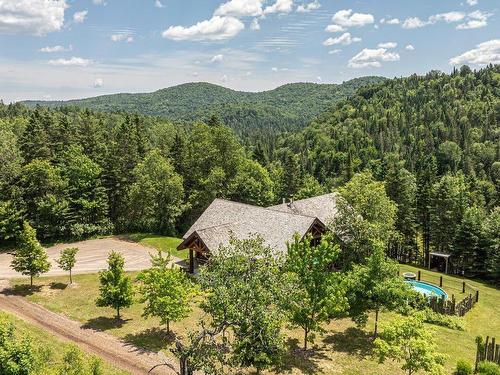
<point x="427" y="289"/>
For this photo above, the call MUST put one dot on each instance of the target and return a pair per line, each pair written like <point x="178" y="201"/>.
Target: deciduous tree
<point x="316" y="293"/>
<point x="408" y="341"/>
<point x="166" y="291"/>
<point x="67" y="260"/>
<point x="30" y="258"/>
<point x="116" y="288"/>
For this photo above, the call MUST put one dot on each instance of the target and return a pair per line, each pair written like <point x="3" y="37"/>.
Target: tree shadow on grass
<point x="103" y="323"/>
<point x="22" y="290"/>
<point x="353" y="341"/>
<point x="296" y="358"/>
<point x="153" y="339"/>
<point x="58" y="286"/>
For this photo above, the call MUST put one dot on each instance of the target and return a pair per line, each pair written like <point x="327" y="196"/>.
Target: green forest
<point x="252" y="115"/>
<point x="433" y="140"/>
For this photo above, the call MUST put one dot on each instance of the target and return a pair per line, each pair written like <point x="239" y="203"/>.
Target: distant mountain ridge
<point x="287" y="107"/>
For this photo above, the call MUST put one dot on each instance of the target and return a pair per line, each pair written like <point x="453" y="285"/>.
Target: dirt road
<point x="111" y="349"/>
<point x="91" y="257"/>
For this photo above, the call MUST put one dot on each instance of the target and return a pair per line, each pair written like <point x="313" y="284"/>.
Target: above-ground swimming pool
<point x="427" y="289"/>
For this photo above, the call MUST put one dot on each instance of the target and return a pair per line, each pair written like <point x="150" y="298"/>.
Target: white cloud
<point x="393" y="21"/>
<point x="409" y="47"/>
<point x="334" y="28"/>
<point x="319" y="79"/>
<point x="388" y="45"/>
<point x="449" y="17"/>
<point x="158" y="4"/>
<point x="346" y="18"/>
<point x="240" y="8"/>
<point x="334" y="51"/>
<point x="280" y="6"/>
<point x="99" y="2"/>
<point x="224" y="78"/>
<point x="32" y="17"/>
<point x="255" y="25"/>
<point x="79" y="17"/>
<point x="74" y="61"/>
<point x="345" y="39"/>
<point x="372" y="58"/>
<point x="217" y="58"/>
<point x="216" y="28"/>
<point x="98" y="83"/>
<point x="122" y="37"/>
<point x="475" y="20"/>
<point x="53" y="49"/>
<point x="413" y="23"/>
<point x="472" y="2"/>
<point x="485" y="53"/>
<point x="304" y="8"/>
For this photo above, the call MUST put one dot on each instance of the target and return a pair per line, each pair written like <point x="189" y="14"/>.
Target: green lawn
<point x="343" y="349"/>
<point x="163" y="243"/>
<point x="55" y="347"/>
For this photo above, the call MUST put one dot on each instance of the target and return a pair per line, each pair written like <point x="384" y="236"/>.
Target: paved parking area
<point x="91" y="257"/>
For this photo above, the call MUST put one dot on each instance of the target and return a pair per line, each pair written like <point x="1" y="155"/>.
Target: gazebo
<point x="444" y="256"/>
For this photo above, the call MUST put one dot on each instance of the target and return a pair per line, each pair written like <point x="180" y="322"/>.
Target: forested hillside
<point x="289" y="107"/>
<point x="434" y="141"/>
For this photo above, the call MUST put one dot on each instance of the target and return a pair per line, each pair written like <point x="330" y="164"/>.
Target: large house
<point x="277" y="225"/>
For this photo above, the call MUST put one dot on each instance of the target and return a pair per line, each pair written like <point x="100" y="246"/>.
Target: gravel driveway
<point x="91" y="257"/>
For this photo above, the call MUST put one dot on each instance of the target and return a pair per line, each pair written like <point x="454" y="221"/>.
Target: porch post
<point x="446" y="266"/>
<point x="191" y="261"/>
<point x="429" y="265"/>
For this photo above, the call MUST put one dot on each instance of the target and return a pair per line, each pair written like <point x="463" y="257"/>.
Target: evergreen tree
<point x="449" y="200"/>
<point x="116" y="289"/>
<point x="30" y="258"/>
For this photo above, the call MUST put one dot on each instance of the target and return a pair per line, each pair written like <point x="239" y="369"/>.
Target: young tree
<point x="166" y="291"/>
<point x="373" y="286"/>
<point x="67" y="260"/>
<point x="30" y="258"/>
<point x="116" y="289"/>
<point x="407" y="340"/>
<point x="316" y="294"/>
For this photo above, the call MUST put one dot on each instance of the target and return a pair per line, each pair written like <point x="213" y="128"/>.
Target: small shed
<point x="441" y="255"/>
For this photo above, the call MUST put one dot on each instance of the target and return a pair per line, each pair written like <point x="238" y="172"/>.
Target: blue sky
<point x="62" y="49"/>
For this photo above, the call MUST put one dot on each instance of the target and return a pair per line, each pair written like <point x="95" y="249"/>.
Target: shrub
<point x="488" y="368"/>
<point x="463" y="368"/>
<point x="452" y="322"/>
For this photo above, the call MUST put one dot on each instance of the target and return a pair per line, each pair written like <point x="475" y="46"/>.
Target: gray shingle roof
<point x="276" y="225"/>
<point x="323" y="207"/>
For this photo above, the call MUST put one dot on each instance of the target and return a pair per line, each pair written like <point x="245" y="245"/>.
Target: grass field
<point x="343" y="349"/>
<point x="163" y="243"/>
<point x="55" y="347"/>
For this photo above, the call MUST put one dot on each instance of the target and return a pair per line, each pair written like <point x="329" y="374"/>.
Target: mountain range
<point x="288" y="107"/>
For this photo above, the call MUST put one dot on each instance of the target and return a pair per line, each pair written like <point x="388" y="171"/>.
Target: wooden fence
<point x="451" y="306"/>
<point x="487" y="350"/>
